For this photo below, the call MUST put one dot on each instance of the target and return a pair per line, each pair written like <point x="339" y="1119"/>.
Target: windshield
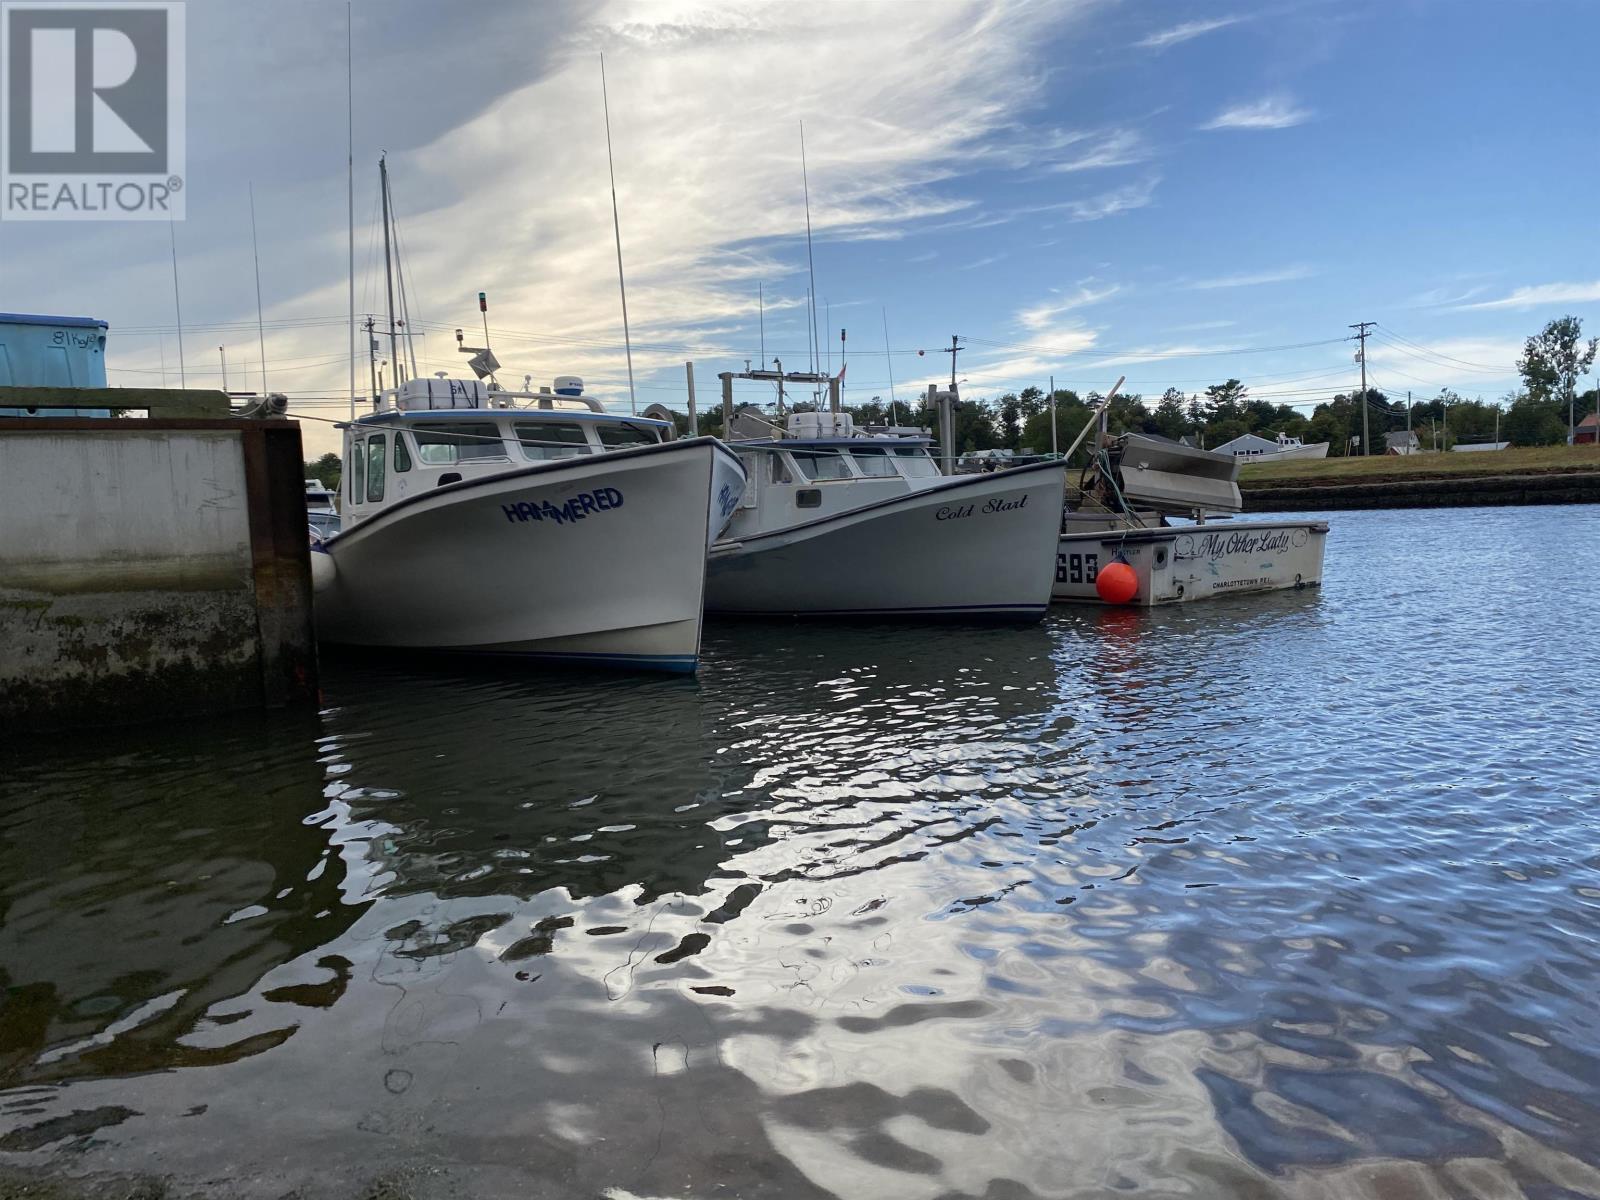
<point x="551" y="439"/>
<point x="915" y="463"/>
<point x="444" y="445"/>
<point x="822" y="464"/>
<point x="627" y="434"/>
<point x="873" y="461"/>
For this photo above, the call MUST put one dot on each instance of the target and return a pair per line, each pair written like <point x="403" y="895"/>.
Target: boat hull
<point x="975" y="547"/>
<point x="1181" y="564"/>
<point x="1315" y="450"/>
<point x="598" y="560"/>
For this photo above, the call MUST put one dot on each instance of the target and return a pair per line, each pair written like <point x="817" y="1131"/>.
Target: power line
<point x="1439" y="354"/>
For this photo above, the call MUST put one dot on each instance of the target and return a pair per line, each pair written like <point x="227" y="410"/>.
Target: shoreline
<point x="1472" y="491"/>
<point x="1531" y="476"/>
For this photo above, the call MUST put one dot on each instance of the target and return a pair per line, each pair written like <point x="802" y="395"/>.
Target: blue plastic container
<point x="38" y="351"/>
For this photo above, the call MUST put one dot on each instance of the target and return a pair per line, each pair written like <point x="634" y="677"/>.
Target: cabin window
<point x="780" y="469"/>
<point x="358" y="473"/>
<point x="914" y="462"/>
<point x="822" y="464"/>
<point x="873" y="461"/>
<point x="402" y="453"/>
<point x="551" y="439"/>
<point x="375" y="452"/>
<point x="460" y="441"/>
<point x="626" y="433"/>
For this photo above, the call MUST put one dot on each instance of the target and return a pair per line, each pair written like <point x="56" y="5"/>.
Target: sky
<point x="1175" y="192"/>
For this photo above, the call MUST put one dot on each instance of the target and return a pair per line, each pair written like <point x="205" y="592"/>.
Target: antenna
<point x="761" y="311"/>
<point x="616" y="227"/>
<point x="889" y="362"/>
<point x="255" y="252"/>
<point x="810" y="264"/>
<point x="177" y="305"/>
<point x="350" y="190"/>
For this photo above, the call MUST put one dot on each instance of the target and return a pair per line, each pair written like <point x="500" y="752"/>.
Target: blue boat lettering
<point x="575" y="509"/>
<point x="727" y="500"/>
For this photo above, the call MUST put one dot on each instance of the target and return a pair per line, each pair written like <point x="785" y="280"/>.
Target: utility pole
<point x="222" y="352"/>
<point x="1408" y="421"/>
<point x="372" y="355"/>
<point x="1361" y="328"/>
<point x="955" y="348"/>
<point x="1052" y="417"/>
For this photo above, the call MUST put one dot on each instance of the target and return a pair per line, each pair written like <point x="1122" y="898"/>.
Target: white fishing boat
<point x="1251" y="447"/>
<point x="1143" y="531"/>
<point x="837" y="523"/>
<point x="529" y="524"/>
<point x="322" y="512"/>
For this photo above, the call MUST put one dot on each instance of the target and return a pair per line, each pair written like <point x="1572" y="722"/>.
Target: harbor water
<point x="1283" y="896"/>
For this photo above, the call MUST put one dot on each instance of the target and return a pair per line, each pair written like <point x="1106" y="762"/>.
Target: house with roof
<point x="1247" y="446"/>
<point x="1588" y="430"/>
<point x="1403" y="442"/>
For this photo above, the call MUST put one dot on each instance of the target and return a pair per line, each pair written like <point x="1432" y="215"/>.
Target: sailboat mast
<point x="616" y="228"/>
<point x="350" y="184"/>
<point x="811" y="268"/>
<point x="255" y="253"/>
<point x="177" y="304"/>
<point x="388" y="266"/>
<point x="888" y="359"/>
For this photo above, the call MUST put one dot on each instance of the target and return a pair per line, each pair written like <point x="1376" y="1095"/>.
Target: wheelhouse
<point x="400" y="451"/>
<point x="789" y="481"/>
<point x="834" y="459"/>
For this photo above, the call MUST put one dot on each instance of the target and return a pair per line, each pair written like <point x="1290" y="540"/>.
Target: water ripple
<point x="1288" y="897"/>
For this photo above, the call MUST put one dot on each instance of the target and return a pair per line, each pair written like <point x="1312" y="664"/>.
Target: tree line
<point x="1537" y="414"/>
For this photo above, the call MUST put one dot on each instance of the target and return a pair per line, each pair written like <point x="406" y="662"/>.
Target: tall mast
<point x="888" y="359"/>
<point x="811" y="268"/>
<point x="350" y="185"/>
<point x="177" y="304"/>
<point x="616" y="228"/>
<point x="255" y="253"/>
<point x="388" y="266"/>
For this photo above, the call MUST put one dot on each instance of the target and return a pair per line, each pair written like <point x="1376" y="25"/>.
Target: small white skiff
<point x="1127" y="510"/>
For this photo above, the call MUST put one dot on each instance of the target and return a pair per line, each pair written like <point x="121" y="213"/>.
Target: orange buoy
<point x="1116" y="583"/>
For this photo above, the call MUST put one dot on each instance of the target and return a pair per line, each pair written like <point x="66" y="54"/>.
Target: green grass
<point x="1531" y="460"/>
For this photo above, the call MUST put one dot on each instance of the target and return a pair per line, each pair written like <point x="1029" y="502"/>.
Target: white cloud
<point x="1109" y="204"/>
<point x="1202" y="326"/>
<point x="1272" y="112"/>
<point x="1445" y="296"/>
<point x="1185" y="31"/>
<point x="1011" y="370"/>
<point x="1041" y="315"/>
<point x="1116" y="148"/>
<point x="1284" y="275"/>
<point x="511" y="195"/>
<point x="1539" y="295"/>
<point x="1469" y="365"/>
